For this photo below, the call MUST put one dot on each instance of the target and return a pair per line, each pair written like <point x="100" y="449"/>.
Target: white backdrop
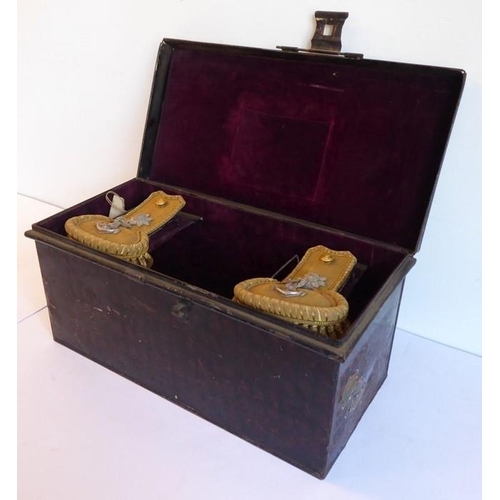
<point x="84" y="77"/>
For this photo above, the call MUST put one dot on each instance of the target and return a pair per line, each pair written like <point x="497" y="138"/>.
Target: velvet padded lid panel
<point x="352" y="144"/>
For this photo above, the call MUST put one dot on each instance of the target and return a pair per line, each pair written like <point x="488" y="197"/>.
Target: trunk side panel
<point x="363" y="373"/>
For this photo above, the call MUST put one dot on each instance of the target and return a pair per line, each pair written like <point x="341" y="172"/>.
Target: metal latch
<point x="327" y="36"/>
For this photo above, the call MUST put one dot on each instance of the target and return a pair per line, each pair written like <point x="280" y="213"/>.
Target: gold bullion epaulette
<point x="126" y="236"/>
<point x="308" y="296"/>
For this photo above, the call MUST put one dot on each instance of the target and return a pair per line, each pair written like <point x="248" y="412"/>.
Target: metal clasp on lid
<point x="328" y="31"/>
<point x="327" y="36"/>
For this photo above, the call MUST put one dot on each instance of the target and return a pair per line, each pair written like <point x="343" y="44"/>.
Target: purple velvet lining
<point x="230" y="245"/>
<point x="354" y="145"/>
<point x="260" y="136"/>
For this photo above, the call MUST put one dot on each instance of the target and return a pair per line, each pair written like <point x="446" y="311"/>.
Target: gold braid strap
<point x="127" y="236"/>
<point x="308" y="295"/>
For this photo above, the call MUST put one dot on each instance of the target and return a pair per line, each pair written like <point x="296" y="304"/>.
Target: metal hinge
<point x="327" y="36"/>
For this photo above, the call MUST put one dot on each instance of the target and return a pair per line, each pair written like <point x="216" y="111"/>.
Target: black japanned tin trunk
<point x="297" y="400"/>
<point x="273" y="153"/>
